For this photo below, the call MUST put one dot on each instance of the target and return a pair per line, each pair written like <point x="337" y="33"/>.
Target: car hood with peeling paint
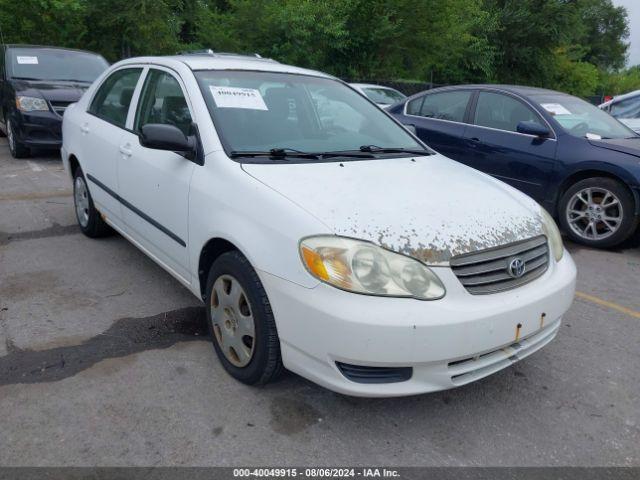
<point x="431" y="208"/>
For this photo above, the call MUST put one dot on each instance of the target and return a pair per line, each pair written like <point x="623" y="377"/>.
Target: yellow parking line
<point x="605" y="303"/>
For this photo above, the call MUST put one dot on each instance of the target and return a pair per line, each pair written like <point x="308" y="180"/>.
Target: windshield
<point x="261" y="111"/>
<point x="581" y="119"/>
<point x="383" y="95"/>
<point x="54" y="64"/>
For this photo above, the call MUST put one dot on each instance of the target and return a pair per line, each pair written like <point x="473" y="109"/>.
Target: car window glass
<point x="258" y="111"/>
<point x="113" y="98"/>
<point x="628" y="108"/>
<point x="580" y="118"/>
<point x="383" y="95"/>
<point x="163" y="101"/>
<point x="413" y="107"/>
<point x="503" y="112"/>
<point x="446" y="105"/>
<point x="54" y="64"/>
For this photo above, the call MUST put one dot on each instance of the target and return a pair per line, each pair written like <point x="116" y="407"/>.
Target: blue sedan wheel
<point x="598" y="212"/>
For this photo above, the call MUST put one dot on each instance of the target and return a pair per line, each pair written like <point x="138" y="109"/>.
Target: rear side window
<point x="628" y="108"/>
<point x="502" y="112"/>
<point x="162" y="101"/>
<point x="111" y="102"/>
<point x="444" y="105"/>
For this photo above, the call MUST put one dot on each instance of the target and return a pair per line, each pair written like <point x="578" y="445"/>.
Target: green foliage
<point x="572" y="45"/>
<point x="620" y="82"/>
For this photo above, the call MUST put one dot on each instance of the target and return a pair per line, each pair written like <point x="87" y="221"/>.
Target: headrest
<point x="125" y="96"/>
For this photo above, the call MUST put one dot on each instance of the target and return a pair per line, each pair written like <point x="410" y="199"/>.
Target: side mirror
<point x="167" y="137"/>
<point x="411" y="128"/>
<point x="533" y="128"/>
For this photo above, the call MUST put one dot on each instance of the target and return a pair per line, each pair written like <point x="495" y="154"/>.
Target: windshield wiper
<point x="274" y="154"/>
<point x="284" y="153"/>
<point x="377" y="149"/>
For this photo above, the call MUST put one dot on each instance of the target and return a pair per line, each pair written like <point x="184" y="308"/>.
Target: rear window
<point x="383" y="95"/>
<point x="51" y="64"/>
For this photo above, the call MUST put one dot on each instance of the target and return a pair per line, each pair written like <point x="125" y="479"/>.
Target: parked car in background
<point x="36" y="86"/>
<point x="378" y="94"/>
<point x="577" y="161"/>
<point x="350" y="253"/>
<point x="625" y="108"/>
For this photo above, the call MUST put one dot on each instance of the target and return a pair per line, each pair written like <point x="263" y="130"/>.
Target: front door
<point x="154" y="184"/>
<point x="524" y="161"/>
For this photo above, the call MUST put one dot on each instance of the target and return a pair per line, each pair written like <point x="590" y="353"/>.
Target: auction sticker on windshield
<point x="555" y="109"/>
<point x="27" y="60"/>
<point x="233" y="97"/>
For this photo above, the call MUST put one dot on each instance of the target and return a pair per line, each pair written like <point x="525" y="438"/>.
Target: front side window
<point x="260" y="111"/>
<point x="628" y="108"/>
<point x="54" y="64"/>
<point x="502" y="112"/>
<point x="163" y="101"/>
<point x="112" y="100"/>
<point x="581" y="119"/>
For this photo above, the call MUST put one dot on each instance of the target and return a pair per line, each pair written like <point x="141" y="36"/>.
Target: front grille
<point x="488" y="271"/>
<point x="59" y="106"/>
<point x="363" y="374"/>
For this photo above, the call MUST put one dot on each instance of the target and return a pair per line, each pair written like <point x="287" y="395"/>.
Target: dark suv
<point x="36" y="85"/>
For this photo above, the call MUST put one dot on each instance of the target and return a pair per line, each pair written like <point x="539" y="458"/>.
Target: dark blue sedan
<point x="577" y="161"/>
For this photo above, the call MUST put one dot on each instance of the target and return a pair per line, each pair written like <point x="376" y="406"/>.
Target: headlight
<point x="362" y="267"/>
<point x="553" y="234"/>
<point x="31" y="104"/>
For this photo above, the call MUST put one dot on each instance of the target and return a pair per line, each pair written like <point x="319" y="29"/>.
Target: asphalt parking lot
<point x="105" y="360"/>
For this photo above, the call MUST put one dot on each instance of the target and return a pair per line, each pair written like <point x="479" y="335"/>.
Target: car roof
<point x="50" y="47"/>
<point x="517" y="89"/>
<point x="223" y="61"/>
<point x="624" y="96"/>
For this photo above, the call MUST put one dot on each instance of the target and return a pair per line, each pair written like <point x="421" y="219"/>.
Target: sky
<point x="633" y="10"/>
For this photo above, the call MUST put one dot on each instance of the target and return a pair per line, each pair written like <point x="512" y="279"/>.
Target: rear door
<point x="524" y="161"/>
<point x="154" y="184"/>
<point x="438" y="118"/>
<point x="102" y="128"/>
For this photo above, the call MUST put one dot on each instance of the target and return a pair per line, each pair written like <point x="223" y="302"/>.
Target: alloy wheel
<point x="10" y="139"/>
<point x="594" y="213"/>
<point x="232" y="319"/>
<point x="81" y="200"/>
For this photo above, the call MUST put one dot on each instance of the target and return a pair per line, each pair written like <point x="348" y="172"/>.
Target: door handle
<point x="125" y="150"/>
<point x="474" y="142"/>
<point x="84" y="129"/>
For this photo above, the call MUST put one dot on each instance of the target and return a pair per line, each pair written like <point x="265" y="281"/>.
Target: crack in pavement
<point x="125" y="337"/>
<point x="55" y="230"/>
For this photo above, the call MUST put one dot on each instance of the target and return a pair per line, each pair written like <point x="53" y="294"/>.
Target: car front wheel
<point x="17" y="149"/>
<point x="598" y="212"/>
<point x="241" y="322"/>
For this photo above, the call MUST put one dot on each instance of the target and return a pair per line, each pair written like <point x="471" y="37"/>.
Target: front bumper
<point x="449" y="342"/>
<point x="38" y="129"/>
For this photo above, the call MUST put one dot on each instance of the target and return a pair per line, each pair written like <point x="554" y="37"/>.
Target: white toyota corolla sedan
<point x="322" y="236"/>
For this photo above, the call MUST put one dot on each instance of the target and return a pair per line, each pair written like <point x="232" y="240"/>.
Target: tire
<point x="255" y="362"/>
<point x="586" y="221"/>
<point x="88" y="217"/>
<point x="17" y="149"/>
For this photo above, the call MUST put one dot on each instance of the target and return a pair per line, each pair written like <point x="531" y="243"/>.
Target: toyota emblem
<point x="516" y="267"/>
